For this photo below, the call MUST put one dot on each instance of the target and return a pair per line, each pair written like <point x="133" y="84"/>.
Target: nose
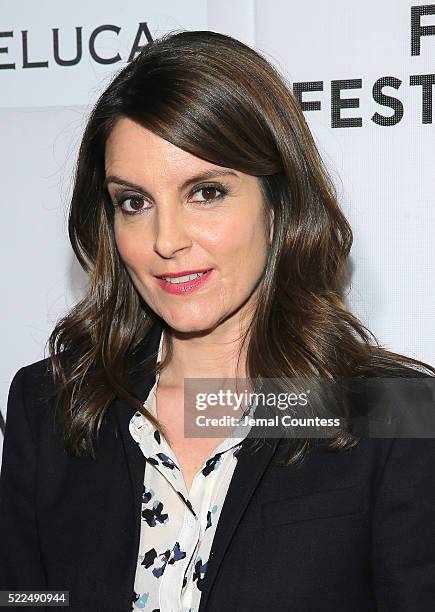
<point x="171" y="232"/>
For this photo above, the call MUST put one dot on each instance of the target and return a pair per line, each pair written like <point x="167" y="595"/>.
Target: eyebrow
<point x="207" y="174"/>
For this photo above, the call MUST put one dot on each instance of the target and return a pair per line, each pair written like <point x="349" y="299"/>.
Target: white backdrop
<point x="379" y="147"/>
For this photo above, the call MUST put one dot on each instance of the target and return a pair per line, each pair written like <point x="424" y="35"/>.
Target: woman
<point x="215" y="248"/>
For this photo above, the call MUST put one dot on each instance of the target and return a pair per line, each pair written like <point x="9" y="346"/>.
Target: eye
<point x="210" y="191"/>
<point x="132" y="204"/>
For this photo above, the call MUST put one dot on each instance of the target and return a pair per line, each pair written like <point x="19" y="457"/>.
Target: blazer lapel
<point x="135" y="459"/>
<point x="247" y="474"/>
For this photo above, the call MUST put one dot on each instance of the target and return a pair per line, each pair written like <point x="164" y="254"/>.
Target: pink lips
<point x="187" y="287"/>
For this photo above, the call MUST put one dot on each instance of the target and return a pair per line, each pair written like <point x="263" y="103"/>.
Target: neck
<point x="205" y="355"/>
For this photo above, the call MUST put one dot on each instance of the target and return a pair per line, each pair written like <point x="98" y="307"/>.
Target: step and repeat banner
<point x="364" y="74"/>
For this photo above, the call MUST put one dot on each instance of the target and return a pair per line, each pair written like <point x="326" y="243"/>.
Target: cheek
<point x="131" y="246"/>
<point x="236" y="233"/>
<point x="241" y="248"/>
<point x="248" y="239"/>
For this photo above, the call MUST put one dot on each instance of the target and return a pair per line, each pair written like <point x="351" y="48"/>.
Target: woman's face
<point x="167" y="221"/>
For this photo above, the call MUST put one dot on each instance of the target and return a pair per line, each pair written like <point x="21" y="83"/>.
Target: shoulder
<point x="388" y="364"/>
<point x="407" y="402"/>
<point x="32" y="382"/>
<point x="36" y="373"/>
<point x="29" y="396"/>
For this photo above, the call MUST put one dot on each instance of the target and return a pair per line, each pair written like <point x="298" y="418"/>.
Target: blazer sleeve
<point x="404" y="528"/>
<point x="20" y="560"/>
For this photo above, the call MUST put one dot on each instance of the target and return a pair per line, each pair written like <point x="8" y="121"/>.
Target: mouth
<point x="184" y="282"/>
<point x="184" y="275"/>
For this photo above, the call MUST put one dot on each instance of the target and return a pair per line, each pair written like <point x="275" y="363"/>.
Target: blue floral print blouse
<point x="177" y="527"/>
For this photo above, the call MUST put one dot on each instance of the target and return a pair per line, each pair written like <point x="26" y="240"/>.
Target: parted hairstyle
<point x="218" y="99"/>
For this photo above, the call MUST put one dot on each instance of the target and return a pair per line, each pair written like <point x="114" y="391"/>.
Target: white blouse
<point x="177" y="527"/>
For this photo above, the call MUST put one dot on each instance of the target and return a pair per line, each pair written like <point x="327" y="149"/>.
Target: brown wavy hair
<point x="220" y="100"/>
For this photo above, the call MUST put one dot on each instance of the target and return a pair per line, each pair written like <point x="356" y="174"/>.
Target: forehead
<point x="133" y="148"/>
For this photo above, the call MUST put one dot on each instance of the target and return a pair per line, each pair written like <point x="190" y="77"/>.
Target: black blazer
<point x="344" y="532"/>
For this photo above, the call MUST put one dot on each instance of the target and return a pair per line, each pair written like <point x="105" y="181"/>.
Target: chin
<point x="190" y="325"/>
